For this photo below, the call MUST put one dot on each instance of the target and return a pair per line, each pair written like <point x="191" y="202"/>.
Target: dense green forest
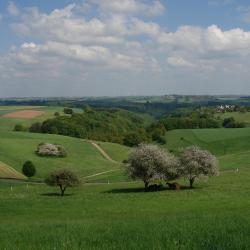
<point x="111" y="125"/>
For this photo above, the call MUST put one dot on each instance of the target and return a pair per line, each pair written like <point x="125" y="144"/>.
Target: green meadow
<point x="214" y="215"/>
<point x="108" y="211"/>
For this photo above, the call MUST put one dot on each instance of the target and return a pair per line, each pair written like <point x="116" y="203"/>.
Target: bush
<point x="19" y="128"/>
<point x="56" y="114"/>
<point x="48" y="149"/>
<point x="36" y="127"/>
<point x="231" y="123"/>
<point x="63" y="179"/>
<point x="135" y="138"/>
<point x="29" y="169"/>
<point x="68" y="111"/>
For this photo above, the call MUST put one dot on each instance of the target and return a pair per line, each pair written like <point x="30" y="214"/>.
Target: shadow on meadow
<point x="142" y="190"/>
<point x="55" y="194"/>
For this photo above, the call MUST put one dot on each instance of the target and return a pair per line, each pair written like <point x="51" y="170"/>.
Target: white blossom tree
<point x="149" y="162"/>
<point x="196" y="163"/>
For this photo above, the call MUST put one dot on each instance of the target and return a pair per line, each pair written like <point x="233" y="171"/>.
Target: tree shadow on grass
<point x="132" y="190"/>
<point x="55" y="194"/>
<point x="142" y="190"/>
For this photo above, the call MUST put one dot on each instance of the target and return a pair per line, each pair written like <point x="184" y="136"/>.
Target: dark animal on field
<point x="174" y="186"/>
<point x="154" y="188"/>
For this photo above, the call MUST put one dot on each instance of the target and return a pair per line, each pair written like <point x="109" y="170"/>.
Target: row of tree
<point x="150" y="163"/>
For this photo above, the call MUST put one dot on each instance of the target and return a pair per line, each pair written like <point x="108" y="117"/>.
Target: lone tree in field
<point x="29" y="169"/>
<point x="196" y="162"/>
<point x="63" y="179"/>
<point x="149" y="162"/>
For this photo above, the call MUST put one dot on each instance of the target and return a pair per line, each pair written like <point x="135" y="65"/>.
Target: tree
<point x="63" y="179"/>
<point x="230" y="122"/>
<point x="135" y="138"/>
<point x="36" y="127"/>
<point x="196" y="162"/>
<point x="149" y="162"/>
<point x="68" y="111"/>
<point x="19" y="127"/>
<point x="29" y="169"/>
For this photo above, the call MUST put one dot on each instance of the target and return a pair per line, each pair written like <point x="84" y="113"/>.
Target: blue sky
<point x="124" y="47"/>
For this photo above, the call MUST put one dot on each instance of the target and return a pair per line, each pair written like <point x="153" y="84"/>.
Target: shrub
<point x="48" y="149"/>
<point x="68" y="111"/>
<point x="29" y="169"/>
<point x="63" y="179"/>
<point x="19" y="127"/>
<point x="56" y="114"/>
<point x="231" y="123"/>
<point x="135" y="138"/>
<point x="36" y="127"/>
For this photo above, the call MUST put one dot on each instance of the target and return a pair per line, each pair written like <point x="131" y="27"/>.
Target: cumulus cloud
<point x="13" y="9"/>
<point x="79" y="47"/>
<point x="131" y="7"/>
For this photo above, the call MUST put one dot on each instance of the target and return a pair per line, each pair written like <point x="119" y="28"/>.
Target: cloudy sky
<point x="124" y="47"/>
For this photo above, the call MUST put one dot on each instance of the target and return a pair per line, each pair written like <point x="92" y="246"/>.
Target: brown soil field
<point x="24" y="114"/>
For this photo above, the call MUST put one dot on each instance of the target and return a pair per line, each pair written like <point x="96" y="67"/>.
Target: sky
<point x="124" y="47"/>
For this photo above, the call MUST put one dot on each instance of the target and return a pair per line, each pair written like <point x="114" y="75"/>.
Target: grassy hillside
<point x="9" y="123"/>
<point x="230" y="145"/>
<point x="239" y="117"/>
<point x="215" y="215"/>
<point x="83" y="158"/>
<point x="7" y="172"/>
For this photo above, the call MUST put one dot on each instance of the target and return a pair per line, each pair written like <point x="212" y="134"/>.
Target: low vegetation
<point x="29" y="169"/>
<point x="49" y="149"/>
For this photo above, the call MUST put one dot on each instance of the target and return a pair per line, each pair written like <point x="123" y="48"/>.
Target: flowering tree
<point x="149" y="162"/>
<point x="196" y="162"/>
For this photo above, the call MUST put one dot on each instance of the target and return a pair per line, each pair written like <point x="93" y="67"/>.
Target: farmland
<point x="122" y="216"/>
<point x="108" y="211"/>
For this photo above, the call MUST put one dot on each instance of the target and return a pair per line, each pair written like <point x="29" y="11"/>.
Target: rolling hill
<point x="231" y="146"/>
<point x="83" y="157"/>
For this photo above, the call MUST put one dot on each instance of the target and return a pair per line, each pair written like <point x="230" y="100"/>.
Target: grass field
<point x="83" y="158"/>
<point x="215" y="215"/>
<point x="238" y="116"/>
<point x="97" y="215"/>
<point x="231" y="146"/>
<point x="9" y="123"/>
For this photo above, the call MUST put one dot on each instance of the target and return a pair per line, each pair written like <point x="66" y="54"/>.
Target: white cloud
<point x="178" y="61"/>
<point x="71" y="45"/>
<point x="132" y="7"/>
<point x="13" y="9"/>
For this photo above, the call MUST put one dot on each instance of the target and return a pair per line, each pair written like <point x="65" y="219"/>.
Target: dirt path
<point x="103" y="153"/>
<point x="109" y="171"/>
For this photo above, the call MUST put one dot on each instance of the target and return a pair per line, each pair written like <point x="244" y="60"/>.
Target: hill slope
<point x="7" y="172"/>
<point x="232" y="146"/>
<point x="83" y="158"/>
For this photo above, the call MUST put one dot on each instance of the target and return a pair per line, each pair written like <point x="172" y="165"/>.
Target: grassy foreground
<point x="215" y="215"/>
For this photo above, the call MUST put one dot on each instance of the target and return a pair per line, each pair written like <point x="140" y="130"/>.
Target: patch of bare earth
<point x="24" y="114"/>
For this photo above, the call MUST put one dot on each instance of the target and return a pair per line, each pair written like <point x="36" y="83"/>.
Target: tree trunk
<point x="146" y="185"/>
<point x="191" y="182"/>
<point x="62" y="190"/>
